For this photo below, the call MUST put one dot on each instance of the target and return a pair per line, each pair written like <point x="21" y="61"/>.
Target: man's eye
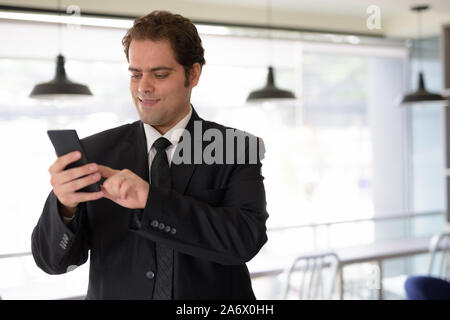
<point x="135" y="76"/>
<point x="161" y="76"/>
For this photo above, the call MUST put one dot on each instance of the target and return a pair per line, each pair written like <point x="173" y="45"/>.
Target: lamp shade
<point x="60" y="85"/>
<point x="421" y="94"/>
<point x="270" y="91"/>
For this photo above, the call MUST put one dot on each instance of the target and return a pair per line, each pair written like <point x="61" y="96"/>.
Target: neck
<point x="163" y="129"/>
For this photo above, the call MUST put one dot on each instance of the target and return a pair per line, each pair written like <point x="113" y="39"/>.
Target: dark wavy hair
<point x="178" y="30"/>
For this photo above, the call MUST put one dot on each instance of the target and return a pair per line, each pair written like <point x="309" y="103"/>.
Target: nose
<point x="146" y="84"/>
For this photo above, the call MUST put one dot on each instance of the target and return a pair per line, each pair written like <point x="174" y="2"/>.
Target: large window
<point x="320" y="162"/>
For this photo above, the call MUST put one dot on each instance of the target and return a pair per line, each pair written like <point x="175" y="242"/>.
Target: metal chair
<point x="440" y="242"/>
<point x="433" y="286"/>
<point x="315" y="275"/>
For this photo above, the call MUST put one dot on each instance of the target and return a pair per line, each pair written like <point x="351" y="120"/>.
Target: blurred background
<point x="351" y="171"/>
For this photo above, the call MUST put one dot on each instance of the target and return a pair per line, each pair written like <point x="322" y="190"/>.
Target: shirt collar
<point x="173" y="135"/>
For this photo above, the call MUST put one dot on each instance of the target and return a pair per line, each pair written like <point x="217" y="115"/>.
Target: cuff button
<point x="155" y="223"/>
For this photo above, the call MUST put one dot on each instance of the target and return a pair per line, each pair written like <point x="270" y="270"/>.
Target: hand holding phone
<point x="74" y="179"/>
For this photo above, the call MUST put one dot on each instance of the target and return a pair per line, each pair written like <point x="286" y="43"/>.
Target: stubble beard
<point x="151" y="119"/>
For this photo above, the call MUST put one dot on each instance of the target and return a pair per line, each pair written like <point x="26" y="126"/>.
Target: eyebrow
<point x="131" y="68"/>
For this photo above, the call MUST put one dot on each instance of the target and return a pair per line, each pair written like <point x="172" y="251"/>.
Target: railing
<point x="384" y="217"/>
<point x="14" y="255"/>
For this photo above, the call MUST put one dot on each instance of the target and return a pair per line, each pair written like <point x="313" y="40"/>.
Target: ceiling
<point x="351" y="16"/>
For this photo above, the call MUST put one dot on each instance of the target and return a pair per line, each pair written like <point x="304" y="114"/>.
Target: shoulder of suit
<point x="238" y="134"/>
<point x="224" y="129"/>
<point x="111" y="135"/>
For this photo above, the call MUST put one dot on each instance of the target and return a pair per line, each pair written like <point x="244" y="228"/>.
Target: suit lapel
<point x="134" y="155"/>
<point x="182" y="173"/>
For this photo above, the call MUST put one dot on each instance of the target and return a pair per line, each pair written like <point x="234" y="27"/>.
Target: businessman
<point x="182" y="205"/>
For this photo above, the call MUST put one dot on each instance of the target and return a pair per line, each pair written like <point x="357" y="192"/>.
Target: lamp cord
<point x="269" y="20"/>
<point x="59" y="28"/>
<point x="419" y="44"/>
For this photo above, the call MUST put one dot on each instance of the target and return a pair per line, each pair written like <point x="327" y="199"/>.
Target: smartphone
<point x="65" y="141"/>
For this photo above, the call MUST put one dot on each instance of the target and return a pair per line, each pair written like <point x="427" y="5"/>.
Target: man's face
<point x="157" y="83"/>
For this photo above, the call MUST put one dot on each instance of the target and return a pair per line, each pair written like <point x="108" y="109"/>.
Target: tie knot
<point x="161" y="144"/>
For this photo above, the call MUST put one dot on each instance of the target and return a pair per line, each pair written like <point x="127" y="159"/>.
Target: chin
<point x="150" y="120"/>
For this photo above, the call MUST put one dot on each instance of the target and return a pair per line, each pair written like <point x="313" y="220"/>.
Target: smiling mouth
<point x="148" y="102"/>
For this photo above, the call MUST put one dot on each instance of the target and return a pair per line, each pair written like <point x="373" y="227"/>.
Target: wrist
<point x="66" y="212"/>
<point x="144" y="199"/>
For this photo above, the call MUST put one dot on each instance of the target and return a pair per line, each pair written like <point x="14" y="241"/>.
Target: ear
<point x="194" y="74"/>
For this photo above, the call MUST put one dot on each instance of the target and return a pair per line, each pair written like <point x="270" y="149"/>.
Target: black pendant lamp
<point x="60" y="85"/>
<point x="421" y="94"/>
<point x="270" y="91"/>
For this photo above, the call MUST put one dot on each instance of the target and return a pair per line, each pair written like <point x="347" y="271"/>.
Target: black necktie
<point x="160" y="177"/>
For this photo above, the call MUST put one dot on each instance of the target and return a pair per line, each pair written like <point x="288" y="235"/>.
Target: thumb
<point x="106" y="171"/>
<point x="106" y="194"/>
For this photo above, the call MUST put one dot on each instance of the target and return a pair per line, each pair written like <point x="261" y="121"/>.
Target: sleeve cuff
<point x="154" y="209"/>
<point x="67" y="220"/>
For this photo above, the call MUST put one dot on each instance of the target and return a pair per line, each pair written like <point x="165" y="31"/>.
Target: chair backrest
<point x="440" y="242"/>
<point x="312" y="277"/>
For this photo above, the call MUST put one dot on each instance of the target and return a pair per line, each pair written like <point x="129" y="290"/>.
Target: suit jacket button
<point x="150" y="275"/>
<point x="161" y="226"/>
<point x="167" y="229"/>
<point x="155" y="223"/>
<point x="173" y="231"/>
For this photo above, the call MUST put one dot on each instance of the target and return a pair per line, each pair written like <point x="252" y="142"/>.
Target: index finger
<point x="107" y="171"/>
<point x="64" y="160"/>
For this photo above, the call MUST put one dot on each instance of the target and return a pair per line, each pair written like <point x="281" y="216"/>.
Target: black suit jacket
<point x="216" y="215"/>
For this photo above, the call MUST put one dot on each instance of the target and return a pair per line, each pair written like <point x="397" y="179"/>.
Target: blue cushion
<point x="427" y="288"/>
